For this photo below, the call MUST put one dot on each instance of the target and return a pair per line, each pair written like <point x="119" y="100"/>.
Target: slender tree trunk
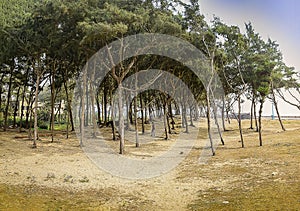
<point x="83" y="110"/>
<point x="171" y="116"/>
<point x="223" y="114"/>
<point x="277" y="110"/>
<point x="92" y="95"/>
<point x="69" y="106"/>
<point x="137" y="141"/>
<point x="191" y="116"/>
<point x="217" y="123"/>
<point x="86" y="120"/>
<point x="251" y="114"/>
<point x="185" y="119"/>
<point x="255" y="117"/>
<point x="113" y="117"/>
<point x="1" y="85"/>
<point x="30" y="126"/>
<point x="22" y="108"/>
<point x="182" y="116"/>
<point x="98" y="109"/>
<point x="8" y="98"/>
<point x="128" y="125"/>
<point x="142" y="114"/>
<point x="121" y="119"/>
<point x="259" y="122"/>
<point x="52" y="103"/>
<point x="38" y="76"/>
<point x="105" y="104"/>
<point x="240" y="121"/>
<point x="68" y="122"/>
<point x="165" y="121"/>
<point x="208" y="122"/>
<point x="16" y="107"/>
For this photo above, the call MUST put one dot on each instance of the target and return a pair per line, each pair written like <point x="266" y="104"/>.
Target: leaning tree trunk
<point x="217" y="123"/>
<point x="276" y="107"/>
<point x="240" y="120"/>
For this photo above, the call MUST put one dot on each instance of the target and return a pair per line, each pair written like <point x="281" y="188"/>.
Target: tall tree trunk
<point x="137" y="141"/>
<point x="98" y="108"/>
<point x="185" y="118"/>
<point x="92" y="95"/>
<point x="240" y="120"/>
<point x="69" y="106"/>
<point x="223" y="114"/>
<point x="165" y="121"/>
<point x="259" y="122"/>
<point x="251" y="113"/>
<point x="22" y="108"/>
<point x="1" y="85"/>
<point x="105" y="104"/>
<point x="121" y="119"/>
<point x="68" y="122"/>
<point x="182" y="116"/>
<point x="217" y="123"/>
<point x="52" y="102"/>
<point x="208" y="121"/>
<point x="38" y="77"/>
<point x="142" y="113"/>
<point x="128" y="108"/>
<point x="8" y="98"/>
<point x="29" y="103"/>
<point x="86" y="120"/>
<point x="83" y="110"/>
<point x="171" y="115"/>
<point x="191" y="116"/>
<point x="255" y="117"/>
<point x="112" y="110"/>
<point x="16" y="107"/>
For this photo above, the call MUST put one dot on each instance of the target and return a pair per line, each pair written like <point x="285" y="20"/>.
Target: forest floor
<point x="59" y="175"/>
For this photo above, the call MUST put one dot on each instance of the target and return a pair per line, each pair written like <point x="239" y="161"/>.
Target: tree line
<point x="45" y="45"/>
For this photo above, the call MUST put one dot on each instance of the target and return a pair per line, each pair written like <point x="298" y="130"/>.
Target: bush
<point x="43" y="125"/>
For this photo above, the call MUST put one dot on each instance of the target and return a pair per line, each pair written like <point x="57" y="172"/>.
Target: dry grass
<point x="252" y="178"/>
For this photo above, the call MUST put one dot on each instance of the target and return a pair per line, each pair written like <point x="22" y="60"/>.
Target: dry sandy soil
<point x="59" y="176"/>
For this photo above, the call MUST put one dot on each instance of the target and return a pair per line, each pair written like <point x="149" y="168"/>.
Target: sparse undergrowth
<point x="58" y="176"/>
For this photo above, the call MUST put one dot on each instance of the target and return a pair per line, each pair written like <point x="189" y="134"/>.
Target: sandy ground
<point x="62" y="176"/>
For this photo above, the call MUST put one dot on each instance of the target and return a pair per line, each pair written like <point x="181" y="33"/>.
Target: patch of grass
<point x="265" y="196"/>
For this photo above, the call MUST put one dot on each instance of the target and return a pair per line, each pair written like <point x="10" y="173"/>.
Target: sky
<point x="275" y="19"/>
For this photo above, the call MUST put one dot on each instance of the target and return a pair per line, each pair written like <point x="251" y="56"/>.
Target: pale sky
<point x="277" y="19"/>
